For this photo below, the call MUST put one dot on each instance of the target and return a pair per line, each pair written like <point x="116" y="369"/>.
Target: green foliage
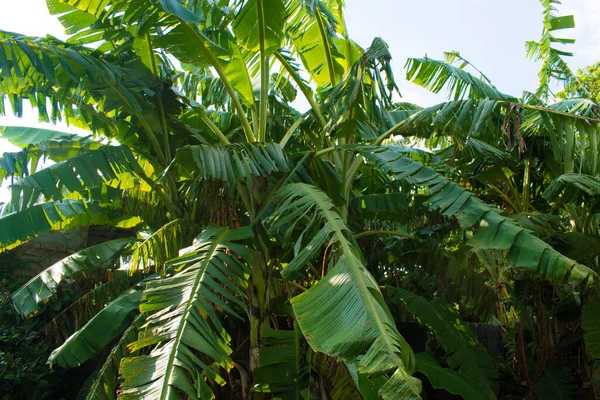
<point x="446" y="378"/>
<point x="557" y="383"/>
<point x="82" y="173"/>
<point x="591" y="319"/>
<point x="23" y="369"/>
<point x="463" y="353"/>
<point x="485" y="203"/>
<point x="17" y="228"/>
<point x="76" y="314"/>
<point x="364" y="326"/>
<point x="103" y="385"/>
<point x="107" y="324"/>
<point x="435" y="75"/>
<point x="494" y="231"/>
<point x="553" y="65"/>
<point x="280" y="367"/>
<point x="231" y="163"/>
<point x="43" y="286"/>
<point x="259" y="25"/>
<point x="159" y="247"/>
<point x="181" y="319"/>
<point x="586" y="84"/>
<point x="23" y="351"/>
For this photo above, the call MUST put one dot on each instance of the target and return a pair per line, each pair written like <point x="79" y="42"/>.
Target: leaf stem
<point x="306" y="91"/>
<point x="215" y="63"/>
<point x="213" y="127"/>
<point x="526" y="184"/>
<point x="291" y="131"/>
<point x="505" y="197"/>
<point x="384" y="232"/>
<point x="264" y="73"/>
<point x="159" y="102"/>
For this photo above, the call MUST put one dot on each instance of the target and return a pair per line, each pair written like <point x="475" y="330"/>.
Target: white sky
<point x="489" y="33"/>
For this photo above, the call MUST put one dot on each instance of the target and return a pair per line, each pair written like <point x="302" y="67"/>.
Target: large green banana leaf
<point x="434" y="75"/>
<point x="182" y="320"/>
<point x="463" y="353"/>
<point x="19" y="227"/>
<point x="31" y="66"/>
<point x="81" y="173"/>
<point x="314" y="28"/>
<point x="236" y="70"/>
<point x="27" y="136"/>
<point x="231" y="163"/>
<point x="105" y="326"/>
<point x="43" y="286"/>
<point x="104" y="384"/>
<point x="38" y="144"/>
<point x="492" y="230"/>
<point x="281" y="368"/>
<point x="259" y="25"/>
<point x="349" y="299"/>
<point x="447" y="379"/>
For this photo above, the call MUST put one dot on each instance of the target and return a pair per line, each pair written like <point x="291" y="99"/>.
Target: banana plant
<point x="271" y="229"/>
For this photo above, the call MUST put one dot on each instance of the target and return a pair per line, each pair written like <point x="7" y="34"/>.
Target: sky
<point x="491" y="34"/>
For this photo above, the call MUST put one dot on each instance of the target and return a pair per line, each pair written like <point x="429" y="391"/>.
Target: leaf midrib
<point x="358" y="282"/>
<point x="198" y="281"/>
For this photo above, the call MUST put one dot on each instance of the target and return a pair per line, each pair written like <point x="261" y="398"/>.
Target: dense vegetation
<point x="585" y="83"/>
<point x="344" y="252"/>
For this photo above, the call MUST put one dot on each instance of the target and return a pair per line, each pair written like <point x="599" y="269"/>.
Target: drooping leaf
<point x="350" y="300"/>
<point x="449" y="380"/>
<point x="231" y="163"/>
<point x="568" y="186"/>
<point x="557" y="384"/>
<point x="104" y="384"/>
<point x="182" y="320"/>
<point x="32" y="72"/>
<point x="493" y="230"/>
<point x="105" y="326"/>
<point x="18" y="227"/>
<point x="82" y="173"/>
<point x="434" y="75"/>
<point x="43" y="286"/>
<point x="463" y="353"/>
